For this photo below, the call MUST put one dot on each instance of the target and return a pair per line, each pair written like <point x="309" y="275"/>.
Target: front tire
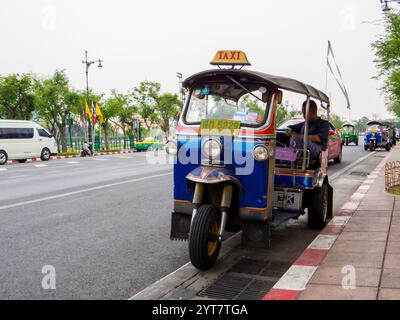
<point x="318" y="208"/>
<point x="3" y="157"/>
<point x="203" y="238"/>
<point x="45" y="156"/>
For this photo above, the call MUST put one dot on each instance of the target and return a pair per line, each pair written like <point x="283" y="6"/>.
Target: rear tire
<point x="203" y="238"/>
<point x="21" y="160"/>
<point x="318" y="208"/>
<point x="339" y="158"/>
<point x="45" y="156"/>
<point x="388" y="147"/>
<point x="3" y="157"/>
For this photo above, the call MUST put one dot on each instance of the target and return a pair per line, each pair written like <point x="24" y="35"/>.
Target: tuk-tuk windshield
<point x="348" y="128"/>
<point x="251" y="111"/>
<point x="374" y="127"/>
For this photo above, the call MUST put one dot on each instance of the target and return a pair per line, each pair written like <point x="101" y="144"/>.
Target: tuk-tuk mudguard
<point x="214" y="175"/>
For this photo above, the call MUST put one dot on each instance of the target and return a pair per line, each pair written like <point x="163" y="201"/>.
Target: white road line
<point x="40" y="165"/>
<point x="100" y="159"/>
<point x="63" y="195"/>
<point x="72" y="162"/>
<point x="3" y="169"/>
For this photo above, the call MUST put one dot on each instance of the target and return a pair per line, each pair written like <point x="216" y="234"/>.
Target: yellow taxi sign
<point x="230" y="57"/>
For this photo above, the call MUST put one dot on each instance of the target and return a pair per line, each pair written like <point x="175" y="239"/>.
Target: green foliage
<point x="284" y="113"/>
<point x="144" y="98"/>
<point x="337" y="121"/>
<point x="167" y="108"/>
<point x="17" y="98"/>
<point x="56" y="101"/>
<point x="387" y="50"/>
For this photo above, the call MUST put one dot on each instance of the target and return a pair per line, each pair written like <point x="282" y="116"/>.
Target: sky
<point x="155" y="39"/>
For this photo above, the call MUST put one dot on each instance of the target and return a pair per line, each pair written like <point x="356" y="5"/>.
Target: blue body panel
<point x="293" y="182"/>
<point x="252" y="175"/>
<point x="377" y="135"/>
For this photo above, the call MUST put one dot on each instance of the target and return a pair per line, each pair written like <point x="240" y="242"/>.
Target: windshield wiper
<point x="244" y="88"/>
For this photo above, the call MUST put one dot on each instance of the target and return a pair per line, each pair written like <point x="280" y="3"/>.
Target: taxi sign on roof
<point x="230" y="57"/>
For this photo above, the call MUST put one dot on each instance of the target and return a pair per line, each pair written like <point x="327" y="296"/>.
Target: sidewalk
<point x="357" y="256"/>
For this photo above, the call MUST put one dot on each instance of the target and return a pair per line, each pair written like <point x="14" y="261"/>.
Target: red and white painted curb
<point x="296" y="279"/>
<point x="74" y="156"/>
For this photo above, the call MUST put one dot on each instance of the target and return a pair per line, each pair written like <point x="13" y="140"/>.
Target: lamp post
<point x="385" y="4"/>
<point x="180" y="76"/>
<point x="87" y="64"/>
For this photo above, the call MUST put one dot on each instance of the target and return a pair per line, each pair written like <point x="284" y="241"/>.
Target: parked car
<point x="334" y="144"/>
<point x="148" y="144"/>
<point x="22" y="140"/>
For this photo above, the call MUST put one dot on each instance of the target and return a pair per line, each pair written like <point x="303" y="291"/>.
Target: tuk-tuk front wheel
<point x="203" y="238"/>
<point x="318" y="208"/>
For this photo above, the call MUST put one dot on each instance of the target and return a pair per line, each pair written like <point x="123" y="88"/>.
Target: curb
<point x="73" y="156"/>
<point x="296" y="279"/>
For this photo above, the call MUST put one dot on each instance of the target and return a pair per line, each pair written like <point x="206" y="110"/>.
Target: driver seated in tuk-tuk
<point x="318" y="131"/>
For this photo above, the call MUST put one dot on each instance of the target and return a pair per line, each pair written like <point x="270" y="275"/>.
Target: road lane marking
<point x="100" y="159"/>
<point x="40" y="165"/>
<point x="72" y="162"/>
<point x="3" y="169"/>
<point x="63" y="195"/>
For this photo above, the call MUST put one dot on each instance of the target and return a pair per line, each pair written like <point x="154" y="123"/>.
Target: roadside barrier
<point x="392" y="177"/>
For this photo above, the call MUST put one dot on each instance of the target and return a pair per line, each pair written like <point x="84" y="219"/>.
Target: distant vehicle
<point x="377" y="137"/>
<point x="148" y="144"/>
<point x="22" y="140"/>
<point x="349" y="134"/>
<point x="334" y="144"/>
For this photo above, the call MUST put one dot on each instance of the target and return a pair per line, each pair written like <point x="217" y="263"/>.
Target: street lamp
<point x="385" y="4"/>
<point x="88" y="64"/>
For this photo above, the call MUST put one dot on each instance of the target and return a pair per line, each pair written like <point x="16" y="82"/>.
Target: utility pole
<point x="87" y="64"/>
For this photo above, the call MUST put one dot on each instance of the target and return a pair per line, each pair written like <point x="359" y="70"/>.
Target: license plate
<point x="210" y="127"/>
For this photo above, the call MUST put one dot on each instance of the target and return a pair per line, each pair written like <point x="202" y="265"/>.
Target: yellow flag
<point x="87" y="111"/>
<point x="99" y="114"/>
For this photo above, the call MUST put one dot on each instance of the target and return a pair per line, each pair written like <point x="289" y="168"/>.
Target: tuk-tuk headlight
<point x="212" y="148"/>
<point x="171" y="147"/>
<point x="262" y="153"/>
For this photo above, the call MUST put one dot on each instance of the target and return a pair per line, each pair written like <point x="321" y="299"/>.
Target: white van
<point x="22" y="140"/>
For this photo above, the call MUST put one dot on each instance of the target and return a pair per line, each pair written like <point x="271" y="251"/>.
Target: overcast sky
<point x="153" y="39"/>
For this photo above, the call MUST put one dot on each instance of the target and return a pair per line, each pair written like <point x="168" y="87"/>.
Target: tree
<point x="337" y="121"/>
<point x="56" y="101"/>
<point x="144" y="98"/>
<point x="17" y="98"/>
<point x="112" y="108"/>
<point x="387" y="51"/>
<point x="167" y="107"/>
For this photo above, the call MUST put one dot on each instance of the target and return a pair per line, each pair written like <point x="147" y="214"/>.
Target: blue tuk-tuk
<point x="377" y="137"/>
<point x="232" y="171"/>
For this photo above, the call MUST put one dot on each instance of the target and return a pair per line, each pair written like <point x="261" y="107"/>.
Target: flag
<point x="99" y="114"/>
<point x="336" y="73"/>
<point x="94" y="114"/>
<point x="87" y="111"/>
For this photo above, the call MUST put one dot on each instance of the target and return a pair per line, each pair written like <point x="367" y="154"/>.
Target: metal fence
<point x="75" y="144"/>
<point x="392" y="177"/>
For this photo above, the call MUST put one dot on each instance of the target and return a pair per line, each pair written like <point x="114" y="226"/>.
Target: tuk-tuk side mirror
<point x="279" y="97"/>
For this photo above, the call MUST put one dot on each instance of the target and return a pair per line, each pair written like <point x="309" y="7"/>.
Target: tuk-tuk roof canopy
<point x="371" y="123"/>
<point x="274" y="81"/>
<point x="348" y="125"/>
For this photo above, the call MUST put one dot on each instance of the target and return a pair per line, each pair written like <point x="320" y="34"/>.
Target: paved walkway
<point x="364" y="261"/>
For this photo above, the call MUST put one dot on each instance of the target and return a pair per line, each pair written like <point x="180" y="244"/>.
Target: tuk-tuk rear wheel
<point x="203" y="238"/>
<point x="318" y="208"/>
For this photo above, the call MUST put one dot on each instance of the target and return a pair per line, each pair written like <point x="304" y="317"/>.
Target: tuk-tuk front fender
<point x="214" y="175"/>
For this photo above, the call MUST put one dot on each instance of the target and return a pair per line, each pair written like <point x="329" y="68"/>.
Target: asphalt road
<point x="102" y="222"/>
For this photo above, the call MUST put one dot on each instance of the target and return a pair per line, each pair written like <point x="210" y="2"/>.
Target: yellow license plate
<point x="210" y="127"/>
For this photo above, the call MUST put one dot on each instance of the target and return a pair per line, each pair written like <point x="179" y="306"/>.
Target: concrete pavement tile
<point x="365" y="277"/>
<point x="391" y="278"/>
<point x="355" y="259"/>
<point x="375" y="207"/>
<point x="362" y="236"/>
<point x="360" y="213"/>
<point x="358" y="219"/>
<point x="389" y="294"/>
<point x="330" y="292"/>
<point x="394" y="233"/>
<point x="367" y="247"/>
<point x="392" y="261"/>
<point x="365" y="226"/>
<point x="393" y="247"/>
<point x="376" y="203"/>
